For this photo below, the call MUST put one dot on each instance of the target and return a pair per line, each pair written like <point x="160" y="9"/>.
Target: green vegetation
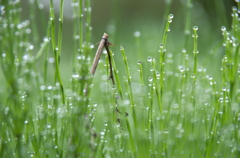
<point x="181" y="99"/>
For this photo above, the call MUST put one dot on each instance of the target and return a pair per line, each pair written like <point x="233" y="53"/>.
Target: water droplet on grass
<point x="194" y="36"/>
<point x="121" y="47"/>
<point x="77" y="37"/>
<point x="224" y="88"/>
<point x="150" y="79"/>
<point x="149" y="59"/>
<point x="19" y="26"/>
<point x="41" y="6"/>
<point x="30" y="47"/>
<point x="137" y="34"/>
<point x="46" y="39"/>
<point x="171" y="16"/>
<point x="28" y="31"/>
<point x="223" y="28"/>
<point x="195" y="28"/>
<point x="2" y="11"/>
<point x="126" y="102"/>
<point x="195" y="52"/>
<point x="76" y="4"/>
<point x="51" y="60"/>
<point x="75" y="76"/>
<point x="161" y="46"/>
<point x="43" y="87"/>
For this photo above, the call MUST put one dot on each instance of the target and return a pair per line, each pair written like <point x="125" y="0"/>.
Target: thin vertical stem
<point x="60" y="30"/>
<point x="55" y="50"/>
<point x="128" y="80"/>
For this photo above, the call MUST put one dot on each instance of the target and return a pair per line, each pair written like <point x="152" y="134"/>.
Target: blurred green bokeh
<point x="122" y="18"/>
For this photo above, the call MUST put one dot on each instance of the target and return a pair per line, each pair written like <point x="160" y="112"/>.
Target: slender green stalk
<point x="140" y="69"/>
<point x="167" y="29"/>
<point x="56" y="49"/>
<point x="130" y="97"/>
<point x="80" y="25"/>
<point x="76" y="36"/>
<point x="162" y="62"/>
<point x="162" y="51"/>
<point x="137" y="35"/>
<point x="167" y="10"/>
<point x="88" y="23"/>
<point x="187" y="31"/>
<point x="129" y="88"/>
<point x="40" y="11"/>
<point x="184" y="76"/>
<point x="195" y="50"/>
<point x="150" y="120"/>
<point x="46" y="55"/>
<point x="212" y="130"/>
<point x="60" y="30"/>
<point x="116" y="74"/>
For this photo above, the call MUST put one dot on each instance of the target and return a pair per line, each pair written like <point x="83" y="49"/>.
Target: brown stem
<point x="98" y="53"/>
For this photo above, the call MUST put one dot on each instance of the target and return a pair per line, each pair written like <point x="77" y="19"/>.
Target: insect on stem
<point x="103" y="43"/>
<point x="110" y="61"/>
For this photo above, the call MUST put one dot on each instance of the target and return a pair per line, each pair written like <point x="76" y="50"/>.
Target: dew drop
<point x="137" y="34"/>
<point x="161" y="46"/>
<point x="121" y="47"/>
<point x="41" y="6"/>
<point x="31" y="47"/>
<point x="195" y="52"/>
<point x="2" y="11"/>
<point x="150" y="79"/>
<point x="195" y="28"/>
<point x="223" y="28"/>
<point x="171" y="16"/>
<point x="74" y="4"/>
<point x="51" y="60"/>
<point x="149" y="59"/>
<point x="193" y="76"/>
<point x="28" y="31"/>
<point x="77" y="37"/>
<point x="46" y="39"/>
<point x="43" y="87"/>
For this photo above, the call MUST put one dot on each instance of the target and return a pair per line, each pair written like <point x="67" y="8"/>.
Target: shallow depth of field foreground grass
<point x="169" y="100"/>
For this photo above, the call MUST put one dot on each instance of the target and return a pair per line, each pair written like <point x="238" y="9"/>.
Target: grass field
<point x="177" y="80"/>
